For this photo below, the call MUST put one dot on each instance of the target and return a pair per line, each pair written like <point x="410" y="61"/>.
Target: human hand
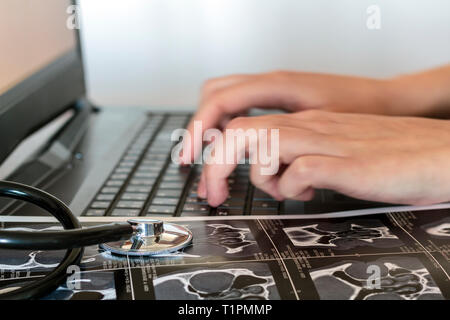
<point x="224" y="98"/>
<point x="378" y="158"/>
<point x="419" y="94"/>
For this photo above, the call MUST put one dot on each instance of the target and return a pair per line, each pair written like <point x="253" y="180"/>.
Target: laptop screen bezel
<point x="43" y="96"/>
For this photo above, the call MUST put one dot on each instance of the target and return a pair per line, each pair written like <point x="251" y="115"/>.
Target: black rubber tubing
<point x="49" y="239"/>
<point x="67" y="239"/>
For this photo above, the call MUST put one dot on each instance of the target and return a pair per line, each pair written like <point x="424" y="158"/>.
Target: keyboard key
<point x="138" y="189"/>
<point x="229" y="212"/>
<point x="114" y="183"/>
<point x="161" y="209"/>
<point x="153" y="156"/>
<point x="175" y="178"/>
<point x="149" y="168"/>
<point x="130" y="204"/>
<point x="110" y="190"/>
<point x="177" y="171"/>
<point x="125" y="213"/>
<point x="196" y="207"/>
<point x="142" y="182"/>
<point x="132" y="158"/>
<point x="266" y="204"/>
<point x="146" y="174"/>
<point x="107" y="197"/>
<point x="134" y="196"/>
<point x="196" y="200"/>
<point x="154" y="163"/>
<point x="171" y="185"/>
<point x="100" y="204"/>
<point x="136" y="151"/>
<point x="168" y="193"/>
<point x="95" y="213"/>
<point x="119" y="176"/>
<point x="127" y="164"/>
<point x="165" y="201"/>
<point x="233" y="203"/>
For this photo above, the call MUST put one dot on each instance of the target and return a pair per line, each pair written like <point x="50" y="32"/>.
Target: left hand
<point x="400" y="160"/>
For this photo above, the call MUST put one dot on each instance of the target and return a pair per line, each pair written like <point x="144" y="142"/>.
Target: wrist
<point x="394" y="98"/>
<point x="421" y="94"/>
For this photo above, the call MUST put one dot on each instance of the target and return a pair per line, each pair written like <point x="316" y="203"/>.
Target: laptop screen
<point x="36" y="34"/>
<point x="41" y="71"/>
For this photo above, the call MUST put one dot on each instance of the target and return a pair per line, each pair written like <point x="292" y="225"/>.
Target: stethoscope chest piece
<point x="151" y="237"/>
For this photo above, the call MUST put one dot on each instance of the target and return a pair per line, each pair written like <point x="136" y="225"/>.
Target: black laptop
<point x="102" y="161"/>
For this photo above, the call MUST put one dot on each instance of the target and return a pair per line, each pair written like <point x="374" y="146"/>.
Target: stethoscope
<point x="136" y="237"/>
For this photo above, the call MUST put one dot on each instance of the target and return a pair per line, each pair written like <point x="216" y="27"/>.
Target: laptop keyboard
<point x="146" y="182"/>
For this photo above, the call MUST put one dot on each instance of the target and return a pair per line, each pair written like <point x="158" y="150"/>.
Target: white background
<point x="158" y="52"/>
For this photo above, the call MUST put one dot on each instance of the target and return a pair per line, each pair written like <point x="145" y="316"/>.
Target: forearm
<point x="421" y="94"/>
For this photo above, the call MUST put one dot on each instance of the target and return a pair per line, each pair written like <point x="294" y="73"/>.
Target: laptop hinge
<point x="64" y="143"/>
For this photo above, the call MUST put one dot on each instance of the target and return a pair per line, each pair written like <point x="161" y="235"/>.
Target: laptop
<point x="102" y="161"/>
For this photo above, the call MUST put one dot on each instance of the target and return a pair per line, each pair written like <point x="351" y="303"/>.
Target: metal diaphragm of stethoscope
<point x="136" y="237"/>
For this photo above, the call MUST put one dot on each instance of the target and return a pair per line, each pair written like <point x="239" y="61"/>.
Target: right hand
<point x="400" y="160"/>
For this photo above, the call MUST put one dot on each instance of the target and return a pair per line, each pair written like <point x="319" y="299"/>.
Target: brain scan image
<point x="357" y="258"/>
<point x="90" y="286"/>
<point x="342" y="236"/>
<point x="439" y="229"/>
<point x="228" y="239"/>
<point x="233" y="240"/>
<point x="249" y="281"/>
<point x="399" y="278"/>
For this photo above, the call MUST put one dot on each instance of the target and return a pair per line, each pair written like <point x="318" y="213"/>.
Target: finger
<point x="268" y="183"/>
<point x="201" y="190"/>
<point x="292" y="144"/>
<point x="216" y="171"/>
<point x="235" y="99"/>
<point x="226" y="119"/>
<point x="212" y="85"/>
<point x="313" y="172"/>
<point x="209" y="88"/>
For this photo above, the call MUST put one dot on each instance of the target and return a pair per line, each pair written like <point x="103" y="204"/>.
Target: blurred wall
<point x="158" y="52"/>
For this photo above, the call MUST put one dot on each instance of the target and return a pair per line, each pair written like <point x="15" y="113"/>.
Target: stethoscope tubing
<point x="55" y="240"/>
<point x="64" y="239"/>
<point x="73" y="238"/>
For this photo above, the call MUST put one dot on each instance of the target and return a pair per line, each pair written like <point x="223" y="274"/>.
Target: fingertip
<point x="217" y="193"/>
<point x="216" y="200"/>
